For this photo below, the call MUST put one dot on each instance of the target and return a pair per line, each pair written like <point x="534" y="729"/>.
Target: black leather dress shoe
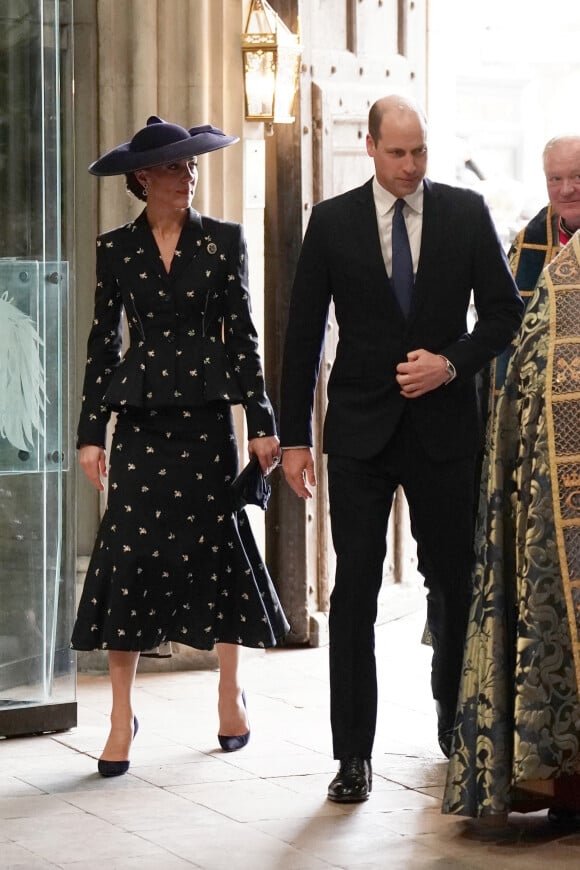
<point x="562" y="818"/>
<point x="445" y="739"/>
<point x="445" y="722"/>
<point x="353" y="782"/>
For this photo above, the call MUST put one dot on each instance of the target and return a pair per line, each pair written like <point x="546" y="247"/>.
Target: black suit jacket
<point x="341" y="261"/>
<point x="192" y="339"/>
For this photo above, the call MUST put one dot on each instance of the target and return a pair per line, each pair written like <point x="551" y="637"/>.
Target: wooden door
<point x="355" y="51"/>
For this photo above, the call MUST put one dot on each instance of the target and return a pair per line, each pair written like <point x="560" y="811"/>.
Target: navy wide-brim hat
<point x="160" y="142"/>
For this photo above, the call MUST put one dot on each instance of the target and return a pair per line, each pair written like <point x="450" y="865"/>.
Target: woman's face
<point x="171" y="185"/>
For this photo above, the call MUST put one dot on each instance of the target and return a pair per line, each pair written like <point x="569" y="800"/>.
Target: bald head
<point x="562" y="169"/>
<point x="397" y="142"/>
<point x="394" y="109"/>
<point x="561" y="145"/>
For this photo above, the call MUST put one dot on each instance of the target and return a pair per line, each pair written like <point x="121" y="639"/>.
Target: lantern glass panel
<point x="260" y="83"/>
<point x="259" y="21"/>
<point x="286" y="75"/>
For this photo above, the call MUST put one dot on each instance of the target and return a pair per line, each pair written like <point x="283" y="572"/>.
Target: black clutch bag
<point x="250" y="487"/>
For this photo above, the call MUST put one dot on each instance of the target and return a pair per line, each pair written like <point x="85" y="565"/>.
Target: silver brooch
<point x="212" y="248"/>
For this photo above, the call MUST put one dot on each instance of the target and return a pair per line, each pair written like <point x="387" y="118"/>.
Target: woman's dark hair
<point x="134" y="186"/>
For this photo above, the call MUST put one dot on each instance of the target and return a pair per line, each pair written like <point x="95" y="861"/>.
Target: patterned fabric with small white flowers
<point x="172" y="562"/>
<point x="192" y="338"/>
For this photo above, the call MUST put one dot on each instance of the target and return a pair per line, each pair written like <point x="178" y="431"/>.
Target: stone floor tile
<point x="415" y="823"/>
<point x="146" y="808"/>
<point x="416" y="773"/>
<point x="350" y="841"/>
<point x="38" y="746"/>
<point x="73" y="837"/>
<point x="435" y="792"/>
<point x="391" y="800"/>
<point x="33" y="807"/>
<point x="288" y="763"/>
<point x="167" y="775"/>
<point x="19" y="858"/>
<point x="160" y="861"/>
<point x="242" y="848"/>
<point x="77" y="773"/>
<point x="255" y="799"/>
<point x="13" y="787"/>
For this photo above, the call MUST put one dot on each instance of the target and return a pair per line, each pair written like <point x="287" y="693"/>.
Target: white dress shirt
<point x="413" y="214"/>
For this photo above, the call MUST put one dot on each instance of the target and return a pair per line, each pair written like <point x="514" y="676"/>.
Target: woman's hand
<point x="93" y="461"/>
<point x="267" y="450"/>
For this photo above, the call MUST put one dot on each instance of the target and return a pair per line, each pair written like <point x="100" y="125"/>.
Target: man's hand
<point x="93" y="462"/>
<point x="267" y="449"/>
<point x="423" y="372"/>
<point x="298" y="467"/>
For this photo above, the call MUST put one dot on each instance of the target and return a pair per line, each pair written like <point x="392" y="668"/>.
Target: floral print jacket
<point x="192" y="339"/>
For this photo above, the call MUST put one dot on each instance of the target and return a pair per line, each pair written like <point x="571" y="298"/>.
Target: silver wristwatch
<point x="450" y="369"/>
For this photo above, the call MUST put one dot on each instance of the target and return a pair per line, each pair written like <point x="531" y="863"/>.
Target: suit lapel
<point x="431" y="243"/>
<point x="189" y="246"/>
<point x="370" y="244"/>
<point x="145" y="246"/>
<point x="367" y="232"/>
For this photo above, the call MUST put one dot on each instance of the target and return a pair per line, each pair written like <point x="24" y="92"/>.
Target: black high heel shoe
<point x="231" y="744"/>
<point x="117" y="768"/>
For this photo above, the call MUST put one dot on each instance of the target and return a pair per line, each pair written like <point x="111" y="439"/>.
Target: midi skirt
<point x="172" y="560"/>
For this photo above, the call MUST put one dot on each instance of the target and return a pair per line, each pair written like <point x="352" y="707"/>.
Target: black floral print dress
<point x="172" y="560"/>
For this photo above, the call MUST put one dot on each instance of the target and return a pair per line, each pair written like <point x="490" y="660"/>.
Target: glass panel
<point x="36" y="541"/>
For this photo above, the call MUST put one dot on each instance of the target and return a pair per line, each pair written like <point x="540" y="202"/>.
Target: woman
<point x="172" y="560"/>
<point x="516" y="745"/>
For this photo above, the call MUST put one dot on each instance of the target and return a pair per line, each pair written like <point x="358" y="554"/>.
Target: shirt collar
<point x="384" y="200"/>
<point x="565" y="233"/>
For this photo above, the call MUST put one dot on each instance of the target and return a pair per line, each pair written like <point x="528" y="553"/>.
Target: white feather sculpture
<point x="22" y="381"/>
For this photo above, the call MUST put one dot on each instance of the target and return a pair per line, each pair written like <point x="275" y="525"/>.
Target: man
<point x="554" y="225"/>
<point x="527" y="540"/>
<point x="539" y="241"/>
<point x="402" y="406"/>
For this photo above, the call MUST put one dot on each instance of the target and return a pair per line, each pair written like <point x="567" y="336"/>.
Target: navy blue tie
<point x="402" y="277"/>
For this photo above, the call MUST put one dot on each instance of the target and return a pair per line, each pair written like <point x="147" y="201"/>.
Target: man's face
<point x="562" y="168"/>
<point x="400" y="155"/>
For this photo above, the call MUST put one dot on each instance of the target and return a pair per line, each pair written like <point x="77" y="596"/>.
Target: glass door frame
<point x="50" y="704"/>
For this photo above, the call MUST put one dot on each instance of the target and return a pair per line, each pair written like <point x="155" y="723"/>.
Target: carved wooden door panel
<point x="355" y="52"/>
